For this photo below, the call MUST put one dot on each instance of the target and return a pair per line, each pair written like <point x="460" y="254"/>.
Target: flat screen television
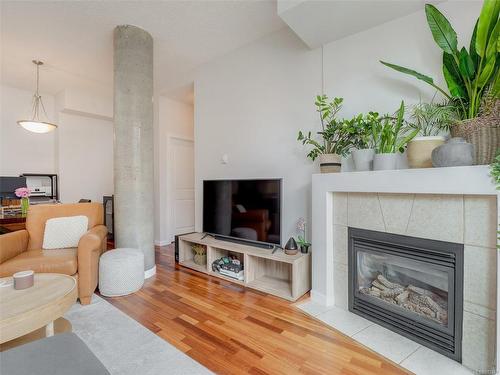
<point x="243" y="210"/>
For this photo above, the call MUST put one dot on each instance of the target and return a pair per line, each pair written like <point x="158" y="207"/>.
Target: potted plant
<point x="431" y="120"/>
<point x="304" y="245"/>
<point x="364" y="152"/>
<point x="389" y="140"/>
<point x="335" y="136"/>
<point x="200" y="254"/>
<point x="471" y="75"/>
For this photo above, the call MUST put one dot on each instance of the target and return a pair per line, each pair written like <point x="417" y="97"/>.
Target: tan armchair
<point x="22" y="250"/>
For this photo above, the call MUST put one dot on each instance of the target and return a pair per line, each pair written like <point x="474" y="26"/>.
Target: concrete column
<point x="133" y="144"/>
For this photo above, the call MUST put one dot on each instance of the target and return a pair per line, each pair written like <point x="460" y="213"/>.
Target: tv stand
<point x="285" y="276"/>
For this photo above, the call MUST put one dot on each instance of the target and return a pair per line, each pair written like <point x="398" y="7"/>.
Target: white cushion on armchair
<point x="64" y="232"/>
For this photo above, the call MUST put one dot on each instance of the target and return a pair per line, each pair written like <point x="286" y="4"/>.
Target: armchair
<point x="22" y="250"/>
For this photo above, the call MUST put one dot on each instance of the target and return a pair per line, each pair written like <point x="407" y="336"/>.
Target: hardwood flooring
<point x="233" y="330"/>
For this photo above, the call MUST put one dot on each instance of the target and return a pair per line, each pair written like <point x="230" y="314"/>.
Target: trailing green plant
<point x="336" y="135"/>
<point x="468" y="73"/>
<point x="432" y="118"/>
<point x="388" y="134"/>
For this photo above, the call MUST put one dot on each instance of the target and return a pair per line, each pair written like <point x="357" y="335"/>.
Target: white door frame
<point x="170" y="189"/>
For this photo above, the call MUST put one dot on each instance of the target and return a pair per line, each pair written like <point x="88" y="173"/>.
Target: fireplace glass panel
<point x="411" y="285"/>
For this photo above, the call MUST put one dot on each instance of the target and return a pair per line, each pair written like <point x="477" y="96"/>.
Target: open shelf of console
<point x="285" y="276"/>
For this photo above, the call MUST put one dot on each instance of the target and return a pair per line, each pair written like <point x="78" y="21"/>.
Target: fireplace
<point x="412" y="286"/>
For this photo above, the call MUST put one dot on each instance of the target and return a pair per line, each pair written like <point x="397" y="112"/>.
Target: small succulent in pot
<point x="301" y="239"/>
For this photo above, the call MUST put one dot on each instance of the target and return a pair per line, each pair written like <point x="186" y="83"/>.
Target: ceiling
<point x="318" y="22"/>
<point x="75" y="38"/>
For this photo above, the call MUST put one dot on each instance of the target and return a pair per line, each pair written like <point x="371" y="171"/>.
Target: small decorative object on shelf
<point x="291" y="247"/>
<point x="24" y="193"/>
<point x="200" y="254"/>
<point x="229" y="266"/>
<point x="454" y="153"/>
<point x="304" y="245"/>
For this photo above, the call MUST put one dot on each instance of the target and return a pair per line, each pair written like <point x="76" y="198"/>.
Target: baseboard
<point x="162" y="243"/>
<point x="149" y="273"/>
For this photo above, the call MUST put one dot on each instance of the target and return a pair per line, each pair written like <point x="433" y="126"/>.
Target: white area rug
<point x="126" y="347"/>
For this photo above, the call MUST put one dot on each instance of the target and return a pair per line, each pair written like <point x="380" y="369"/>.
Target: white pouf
<point x="121" y="272"/>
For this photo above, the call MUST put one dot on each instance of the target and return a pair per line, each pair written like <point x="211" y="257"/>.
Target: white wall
<point x="85" y="158"/>
<point x="175" y="119"/>
<point x="352" y="69"/>
<point x="250" y="105"/>
<point x="80" y="150"/>
<point x="22" y="151"/>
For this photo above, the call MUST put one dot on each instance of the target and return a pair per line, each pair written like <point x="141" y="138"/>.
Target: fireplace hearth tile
<point x="437" y="217"/>
<point x="479" y="276"/>
<point x="480" y="220"/>
<point x="340" y="288"/>
<point x="340" y="244"/>
<point x="388" y="343"/>
<point x="478" y="344"/>
<point x="396" y="210"/>
<point x="313" y="308"/>
<point x="428" y="362"/>
<point x="340" y="208"/>
<point x="363" y="211"/>
<point x="344" y="321"/>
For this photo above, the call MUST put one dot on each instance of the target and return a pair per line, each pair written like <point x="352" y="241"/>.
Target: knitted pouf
<point x="121" y="272"/>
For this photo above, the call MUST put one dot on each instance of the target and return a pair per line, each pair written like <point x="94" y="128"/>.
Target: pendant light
<point x="35" y="125"/>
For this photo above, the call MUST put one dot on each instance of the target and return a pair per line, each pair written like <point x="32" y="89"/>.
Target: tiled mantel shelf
<point x="472" y="180"/>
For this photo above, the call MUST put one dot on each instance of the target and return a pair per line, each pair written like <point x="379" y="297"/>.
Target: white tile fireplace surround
<point x="456" y="205"/>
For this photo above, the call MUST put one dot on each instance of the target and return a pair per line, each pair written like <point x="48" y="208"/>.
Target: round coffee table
<point x="28" y="310"/>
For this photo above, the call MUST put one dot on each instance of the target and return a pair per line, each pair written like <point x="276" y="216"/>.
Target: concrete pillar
<point x="133" y="143"/>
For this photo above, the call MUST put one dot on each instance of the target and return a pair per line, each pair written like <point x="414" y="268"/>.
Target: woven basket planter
<point x="484" y="133"/>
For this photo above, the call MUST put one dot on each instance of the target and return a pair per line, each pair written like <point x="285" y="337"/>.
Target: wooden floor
<point x="233" y="330"/>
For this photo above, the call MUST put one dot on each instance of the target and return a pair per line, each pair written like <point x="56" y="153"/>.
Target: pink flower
<point x="22" y="192"/>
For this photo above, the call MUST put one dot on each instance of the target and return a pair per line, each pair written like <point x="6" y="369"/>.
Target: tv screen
<point x="249" y="210"/>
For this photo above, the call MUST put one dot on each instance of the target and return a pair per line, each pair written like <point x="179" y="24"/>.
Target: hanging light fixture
<point x="35" y="125"/>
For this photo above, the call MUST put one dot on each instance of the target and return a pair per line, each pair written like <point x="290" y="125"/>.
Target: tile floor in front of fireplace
<point x="407" y="353"/>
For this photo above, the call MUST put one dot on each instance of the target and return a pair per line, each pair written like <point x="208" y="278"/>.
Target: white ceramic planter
<point x="382" y="162"/>
<point x="363" y="159"/>
<point x="330" y="163"/>
<point x="420" y="151"/>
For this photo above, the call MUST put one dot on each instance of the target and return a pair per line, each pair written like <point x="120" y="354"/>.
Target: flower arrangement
<point x="301" y="228"/>
<point x="23" y="193"/>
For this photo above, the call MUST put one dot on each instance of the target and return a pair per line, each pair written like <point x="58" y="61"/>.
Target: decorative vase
<point x="330" y="163"/>
<point x="291" y="247"/>
<point x="386" y="161"/>
<point x="454" y="153"/>
<point x="420" y="151"/>
<point x="304" y="249"/>
<point x="25" y="205"/>
<point x="200" y="259"/>
<point x="363" y="159"/>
